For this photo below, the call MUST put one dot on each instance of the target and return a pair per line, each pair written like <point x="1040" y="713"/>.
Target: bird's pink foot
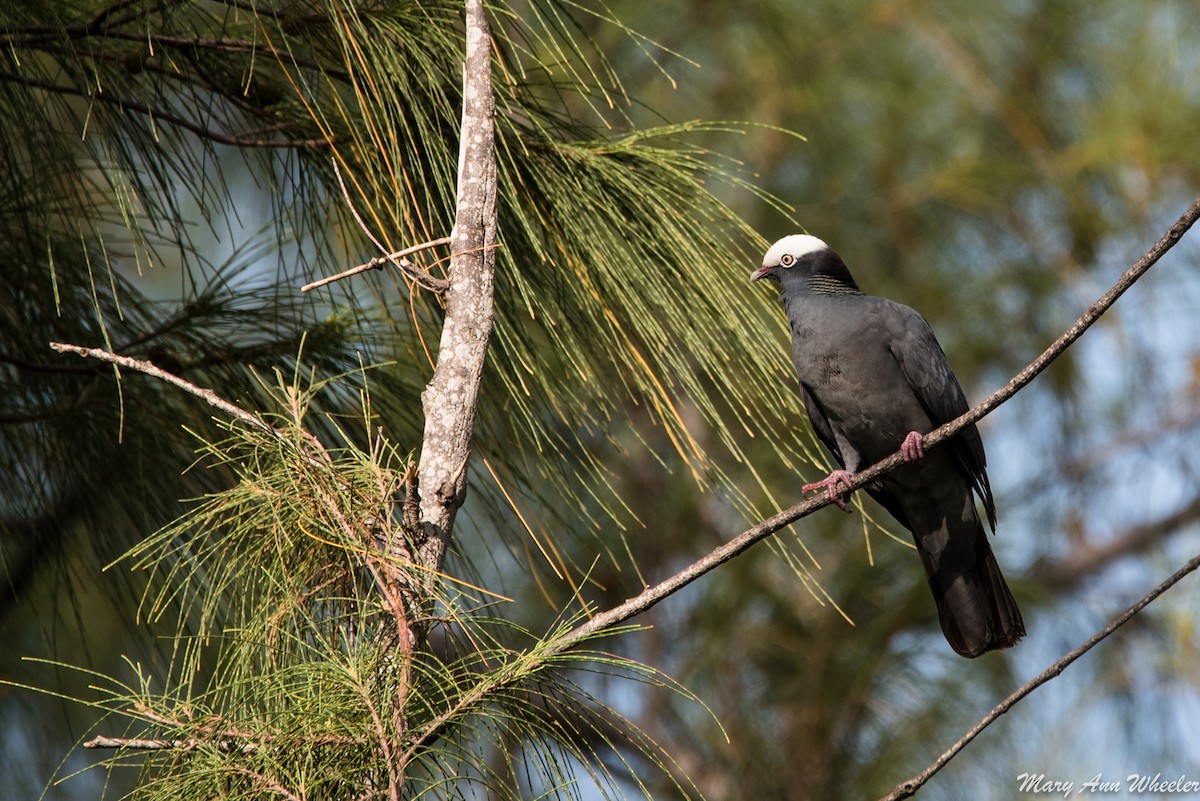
<point x="912" y="449"/>
<point x="829" y="484"/>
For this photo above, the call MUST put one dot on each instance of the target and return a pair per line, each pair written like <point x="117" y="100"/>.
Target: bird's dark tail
<point x="976" y="609"/>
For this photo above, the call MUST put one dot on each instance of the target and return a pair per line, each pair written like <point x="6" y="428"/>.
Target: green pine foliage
<point x="289" y="674"/>
<point x="279" y="664"/>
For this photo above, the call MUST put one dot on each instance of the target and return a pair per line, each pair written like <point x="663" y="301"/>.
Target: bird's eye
<point x="788" y="260"/>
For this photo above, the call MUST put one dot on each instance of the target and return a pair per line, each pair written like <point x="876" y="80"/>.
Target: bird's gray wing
<point x="927" y="370"/>
<point x="820" y="424"/>
<point x="824" y="432"/>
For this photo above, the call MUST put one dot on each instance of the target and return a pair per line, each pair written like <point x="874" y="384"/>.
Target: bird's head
<point x="805" y="261"/>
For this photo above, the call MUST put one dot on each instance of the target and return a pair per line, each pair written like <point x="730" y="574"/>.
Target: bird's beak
<point x="763" y="272"/>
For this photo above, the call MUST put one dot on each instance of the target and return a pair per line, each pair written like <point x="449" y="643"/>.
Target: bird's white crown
<point x="798" y="245"/>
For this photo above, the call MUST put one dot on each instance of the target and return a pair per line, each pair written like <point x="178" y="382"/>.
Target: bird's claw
<point x="829" y="484"/>
<point x="912" y="449"/>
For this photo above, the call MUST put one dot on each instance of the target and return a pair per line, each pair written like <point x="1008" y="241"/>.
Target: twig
<point x="907" y="788"/>
<point x="102" y="20"/>
<point x="141" y="744"/>
<point x="227" y="743"/>
<point x="652" y="595"/>
<point x="206" y="395"/>
<point x="315" y="453"/>
<point x="430" y="282"/>
<point x="223" y="739"/>
<point x="337" y="172"/>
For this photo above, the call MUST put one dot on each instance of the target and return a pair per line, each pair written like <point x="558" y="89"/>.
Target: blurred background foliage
<point x="993" y="165"/>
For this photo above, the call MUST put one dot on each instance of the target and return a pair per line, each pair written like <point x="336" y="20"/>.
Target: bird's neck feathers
<point x="829" y="285"/>
<point x="829" y="275"/>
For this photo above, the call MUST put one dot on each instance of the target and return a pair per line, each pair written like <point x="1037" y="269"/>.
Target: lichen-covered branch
<point x="450" y="399"/>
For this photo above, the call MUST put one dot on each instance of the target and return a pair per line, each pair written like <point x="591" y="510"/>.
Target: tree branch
<point x="206" y="395"/>
<point x="450" y="399"/>
<point x="315" y="452"/>
<point x="1084" y="560"/>
<point x="144" y="744"/>
<point x="1145" y="435"/>
<point x="909" y="787"/>
<point x="224" y="742"/>
<point x="430" y="282"/>
<point x="140" y="743"/>
<point x="652" y="595"/>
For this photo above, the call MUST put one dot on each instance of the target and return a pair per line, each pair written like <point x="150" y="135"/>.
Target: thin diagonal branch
<point x="337" y="173"/>
<point x="909" y="787"/>
<point x="430" y="282"/>
<point x="315" y="453"/>
<point x="206" y="395"/>
<point x="652" y="595"/>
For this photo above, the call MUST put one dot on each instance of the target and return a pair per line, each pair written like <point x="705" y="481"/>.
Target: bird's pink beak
<point x="761" y="272"/>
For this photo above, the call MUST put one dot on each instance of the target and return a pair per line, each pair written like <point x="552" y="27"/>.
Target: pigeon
<point x="873" y="380"/>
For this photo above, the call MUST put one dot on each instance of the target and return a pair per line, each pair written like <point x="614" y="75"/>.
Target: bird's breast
<point x="860" y="388"/>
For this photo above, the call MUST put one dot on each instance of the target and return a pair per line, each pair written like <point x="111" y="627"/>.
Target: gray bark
<point x="450" y="399"/>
